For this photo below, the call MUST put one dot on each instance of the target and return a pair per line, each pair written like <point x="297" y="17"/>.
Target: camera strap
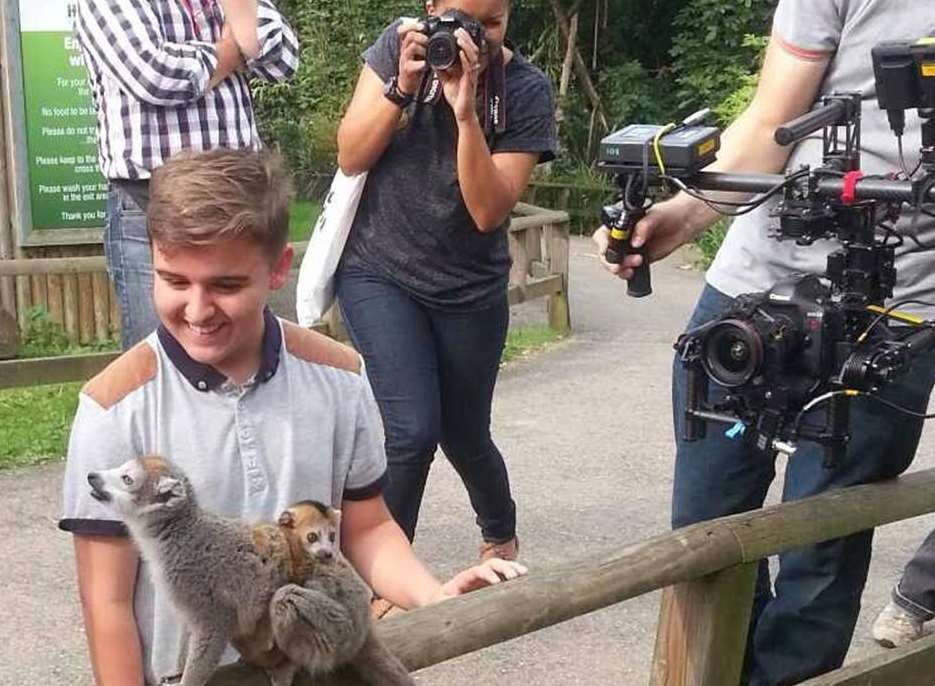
<point x="493" y="98"/>
<point x="491" y="101"/>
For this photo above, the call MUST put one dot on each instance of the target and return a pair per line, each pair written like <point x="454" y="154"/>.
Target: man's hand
<point x="412" y="44"/>
<point x="459" y="82"/>
<point x="664" y="229"/>
<point x="488" y="573"/>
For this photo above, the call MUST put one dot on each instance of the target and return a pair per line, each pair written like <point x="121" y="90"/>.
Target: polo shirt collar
<point x="204" y="377"/>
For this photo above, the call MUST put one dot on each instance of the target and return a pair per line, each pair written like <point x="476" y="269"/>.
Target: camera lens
<point x="442" y="50"/>
<point x="732" y="352"/>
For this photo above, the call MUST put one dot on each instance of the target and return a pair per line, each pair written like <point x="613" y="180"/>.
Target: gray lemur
<point x="325" y="623"/>
<point x="220" y="573"/>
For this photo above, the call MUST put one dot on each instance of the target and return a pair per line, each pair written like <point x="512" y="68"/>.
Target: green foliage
<point x="44" y="337"/>
<point x="709" y="242"/>
<point x="34" y="423"/>
<point x="712" y="51"/>
<point x="526" y="340"/>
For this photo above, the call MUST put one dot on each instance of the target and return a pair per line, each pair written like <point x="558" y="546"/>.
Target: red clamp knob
<point x="849" y="192"/>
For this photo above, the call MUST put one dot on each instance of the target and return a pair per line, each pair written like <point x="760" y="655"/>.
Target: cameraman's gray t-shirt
<point x="749" y="260"/>
<point x="412" y="226"/>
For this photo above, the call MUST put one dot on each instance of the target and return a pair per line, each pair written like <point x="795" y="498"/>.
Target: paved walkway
<point x="585" y="426"/>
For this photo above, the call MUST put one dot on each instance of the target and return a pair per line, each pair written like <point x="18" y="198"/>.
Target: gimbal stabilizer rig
<point x="811" y="343"/>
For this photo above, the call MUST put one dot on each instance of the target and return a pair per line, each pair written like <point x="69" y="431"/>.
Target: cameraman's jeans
<point x="915" y="592"/>
<point x="433" y="374"/>
<point x="130" y="265"/>
<point x="806" y="627"/>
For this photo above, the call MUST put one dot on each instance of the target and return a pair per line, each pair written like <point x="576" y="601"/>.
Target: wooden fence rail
<point x="691" y="555"/>
<point x="538" y="240"/>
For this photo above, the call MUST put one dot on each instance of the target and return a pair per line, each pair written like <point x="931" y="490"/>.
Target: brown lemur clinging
<point x="220" y="573"/>
<point x="325" y="623"/>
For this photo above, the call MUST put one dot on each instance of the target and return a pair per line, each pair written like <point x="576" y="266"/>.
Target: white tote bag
<point x="315" y="290"/>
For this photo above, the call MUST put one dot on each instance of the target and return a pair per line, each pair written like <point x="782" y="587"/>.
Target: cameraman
<point x="423" y="280"/>
<point x="816" y="48"/>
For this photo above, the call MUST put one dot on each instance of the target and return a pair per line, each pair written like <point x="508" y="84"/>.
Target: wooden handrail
<point x="431" y="635"/>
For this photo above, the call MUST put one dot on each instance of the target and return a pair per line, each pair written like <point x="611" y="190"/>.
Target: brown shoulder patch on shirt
<point x="122" y="376"/>
<point x="312" y="346"/>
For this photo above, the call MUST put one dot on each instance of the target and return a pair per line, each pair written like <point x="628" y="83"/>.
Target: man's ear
<point x="279" y="274"/>
<point x="286" y="519"/>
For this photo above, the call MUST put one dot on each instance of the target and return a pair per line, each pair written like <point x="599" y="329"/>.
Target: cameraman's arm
<point x="491" y="185"/>
<point x="788" y="86"/>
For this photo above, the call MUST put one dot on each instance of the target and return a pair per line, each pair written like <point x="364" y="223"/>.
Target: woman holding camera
<point x="423" y="280"/>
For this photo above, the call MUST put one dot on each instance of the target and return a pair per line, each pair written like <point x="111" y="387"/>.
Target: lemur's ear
<point x="168" y="487"/>
<point x="337" y="516"/>
<point x="287" y="519"/>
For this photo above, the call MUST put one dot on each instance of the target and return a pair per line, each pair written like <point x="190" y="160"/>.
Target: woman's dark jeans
<point x="805" y="627"/>
<point x="433" y="374"/>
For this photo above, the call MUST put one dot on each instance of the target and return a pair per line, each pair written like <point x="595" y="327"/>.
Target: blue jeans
<point x="804" y="627"/>
<point x="433" y="374"/>
<point x="130" y="265"/>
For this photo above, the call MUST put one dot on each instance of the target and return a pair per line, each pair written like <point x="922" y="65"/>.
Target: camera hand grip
<point x="619" y="246"/>
<point x="640" y="284"/>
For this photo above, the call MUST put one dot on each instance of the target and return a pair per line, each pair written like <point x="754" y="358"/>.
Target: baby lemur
<point x="220" y="573"/>
<point x="325" y="622"/>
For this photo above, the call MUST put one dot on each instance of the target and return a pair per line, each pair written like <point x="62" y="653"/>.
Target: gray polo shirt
<point x="749" y="260"/>
<point x="306" y="427"/>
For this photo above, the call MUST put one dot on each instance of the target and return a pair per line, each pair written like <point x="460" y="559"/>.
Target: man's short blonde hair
<point x="202" y="198"/>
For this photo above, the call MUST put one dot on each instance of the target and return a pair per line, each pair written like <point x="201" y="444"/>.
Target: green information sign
<point x="66" y="188"/>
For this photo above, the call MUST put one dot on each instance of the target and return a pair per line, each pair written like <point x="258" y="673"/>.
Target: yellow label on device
<point x="619" y="234"/>
<point x="705" y="148"/>
<point x="927" y="40"/>
<point x="896" y="314"/>
<point x="928" y="69"/>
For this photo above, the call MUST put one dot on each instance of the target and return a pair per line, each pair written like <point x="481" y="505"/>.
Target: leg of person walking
<point x="130" y="266"/>
<point x="393" y="334"/>
<point x="470" y="345"/>
<point x="913" y="600"/>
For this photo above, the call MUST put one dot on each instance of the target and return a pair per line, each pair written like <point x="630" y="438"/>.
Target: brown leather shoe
<point x="507" y="550"/>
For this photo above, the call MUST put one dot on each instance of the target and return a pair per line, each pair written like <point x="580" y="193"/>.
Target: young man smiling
<point x="258" y="412"/>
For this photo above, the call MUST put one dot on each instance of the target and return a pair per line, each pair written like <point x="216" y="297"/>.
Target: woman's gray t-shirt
<point x="412" y="226"/>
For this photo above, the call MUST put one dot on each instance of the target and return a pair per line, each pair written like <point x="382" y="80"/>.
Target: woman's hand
<point x="412" y="44"/>
<point x="459" y="82"/>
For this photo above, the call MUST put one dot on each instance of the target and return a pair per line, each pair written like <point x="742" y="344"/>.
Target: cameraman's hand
<point x="459" y="83"/>
<point x="412" y="44"/>
<point x="664" y="229"/>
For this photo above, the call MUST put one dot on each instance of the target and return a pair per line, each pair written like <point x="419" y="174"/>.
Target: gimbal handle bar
<point x="885" y="190"/>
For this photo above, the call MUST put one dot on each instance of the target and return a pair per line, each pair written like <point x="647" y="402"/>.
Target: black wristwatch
<point x="394" y="95"/>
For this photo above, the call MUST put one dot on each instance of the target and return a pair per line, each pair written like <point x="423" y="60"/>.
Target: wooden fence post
<point x="558" y="244"/>
<point x="702" y="631"/>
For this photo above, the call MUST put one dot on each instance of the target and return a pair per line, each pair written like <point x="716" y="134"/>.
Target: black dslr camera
<point x="442" y="49"/>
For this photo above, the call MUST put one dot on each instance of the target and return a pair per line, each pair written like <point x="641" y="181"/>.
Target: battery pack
<point x="686" y="149"/>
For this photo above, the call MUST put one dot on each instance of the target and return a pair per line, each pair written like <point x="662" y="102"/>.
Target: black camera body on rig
<point x="442" y="49"/>
<point x="812" y="342"/>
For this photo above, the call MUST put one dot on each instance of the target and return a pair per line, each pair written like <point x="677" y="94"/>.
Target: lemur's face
<point x="318" y="531"/>
<point x="320" y="539"/>
<point x="138" y="486"/>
